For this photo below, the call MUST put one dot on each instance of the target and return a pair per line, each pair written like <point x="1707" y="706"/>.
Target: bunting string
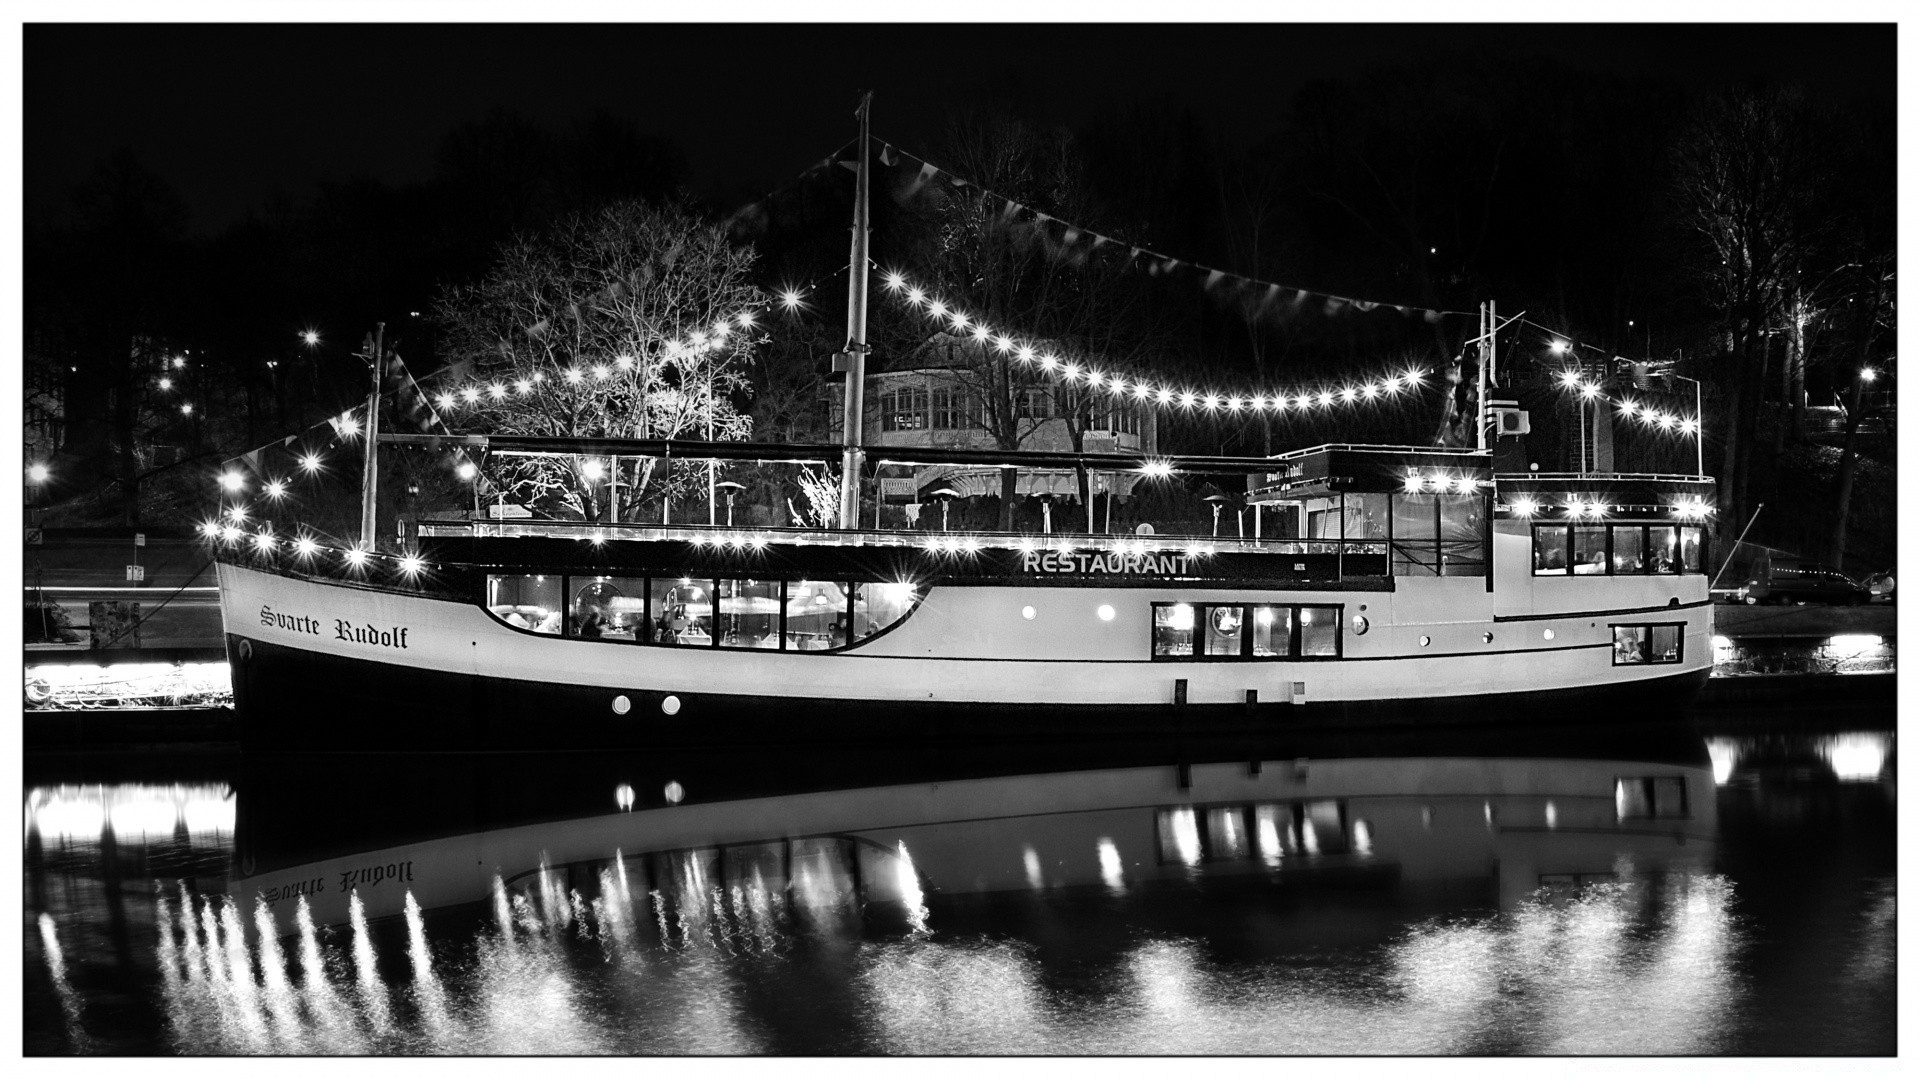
<point x="1156" y="262"/>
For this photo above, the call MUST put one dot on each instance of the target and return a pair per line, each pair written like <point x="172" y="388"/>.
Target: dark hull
<point x="294" y="700"/>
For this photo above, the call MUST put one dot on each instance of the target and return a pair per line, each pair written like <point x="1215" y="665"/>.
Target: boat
<point x="1413" y="585"/>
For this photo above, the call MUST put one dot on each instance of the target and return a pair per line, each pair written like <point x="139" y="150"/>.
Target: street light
<point x="38" y="473"/>
<point x="731" y="487"/>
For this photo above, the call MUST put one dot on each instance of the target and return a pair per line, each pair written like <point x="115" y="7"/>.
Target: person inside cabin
<point x="1662" y="563"/>
<point x="550" y="624"/>
<point x="592" y="626"/>
<point x="837" y="633"/>
<point x="1627" y="651"/>
<point x="515" y="619"/>
<point x="1596" y="564"/>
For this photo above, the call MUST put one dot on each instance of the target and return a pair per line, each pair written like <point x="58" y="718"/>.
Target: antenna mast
<point x="853" y="419"/>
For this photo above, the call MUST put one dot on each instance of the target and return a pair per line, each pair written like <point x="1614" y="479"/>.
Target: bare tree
<point x="626" y="323"/>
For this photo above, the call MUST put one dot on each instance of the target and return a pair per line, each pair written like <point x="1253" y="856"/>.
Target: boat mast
<point x="369" y="478"/>
<point x="853" y="417"/>
<point x="1486" y="362"/>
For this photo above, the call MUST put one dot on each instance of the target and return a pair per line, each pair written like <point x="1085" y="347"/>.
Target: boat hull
<point x="292" y="699"/>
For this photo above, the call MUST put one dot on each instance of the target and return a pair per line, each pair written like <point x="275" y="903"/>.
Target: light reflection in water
<point x="1111" y="873"/>
<point x="1856" y="756"/>
<point x="57" y="970"/>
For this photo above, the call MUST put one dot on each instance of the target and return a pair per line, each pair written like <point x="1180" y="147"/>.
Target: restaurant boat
<point x="1381" y="585"/>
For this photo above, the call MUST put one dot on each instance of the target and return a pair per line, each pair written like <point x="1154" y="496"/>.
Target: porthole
<point x="1425" y="641"/>
<point x="1487" y="637"/>
<point x="246" y="650"/>
<point x="674" y="792"/>
<point x="1028" y="613"/>
<point x="1105" y="611"/>
<point x="670" y="705"/>
<point x="621" y="704"/>
<point x="1360" y="624"/>
<point x="1547" y="634"/>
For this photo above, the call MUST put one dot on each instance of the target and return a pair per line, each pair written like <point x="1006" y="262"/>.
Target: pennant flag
<point x="1364" y="305"/>
<point x="1072" y="235"/>
<point x="1333" y="305"/>
<point x="1213" y="278"/>
<point x="886" y="155"/>
<point x="1012" y="208"/>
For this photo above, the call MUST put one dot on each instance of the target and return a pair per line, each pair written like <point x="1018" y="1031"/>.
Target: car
<point x="1880" y="585"/>
<point x="1787" y="579"/>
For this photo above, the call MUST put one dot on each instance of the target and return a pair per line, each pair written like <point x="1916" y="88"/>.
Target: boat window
<point x="1691" y="544"/>
<point x="1550" y="547"/>
<point x="1663" y="549"/>
<point x="1272" y="630"/>
<point x="607" y="608"/>
<point x="1629" y="549"/>
<point x="1650" y="797"/>
<point x="1589" y="549"/>
<point x="879" y="604"/>
<point x="1220" y="629"/>
<point x="816" y="615"/>
<point x="1658" y="643"/>
<point x="1463" y="546"/>
<point x="1416" y="536"/>
<point x="748" y="613"/>
<point x="682" y="610"/>
<point x="1269" y="831"/>
<point x="526" y="601"/>
<point x="1173" y="629"/>
<point x="1319" y="631"/>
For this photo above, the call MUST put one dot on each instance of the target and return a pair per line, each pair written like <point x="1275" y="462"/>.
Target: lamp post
<point x="1699" y="429"/>
<point x="946" y="497"/>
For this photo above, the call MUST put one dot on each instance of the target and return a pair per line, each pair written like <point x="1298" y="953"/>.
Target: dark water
<point x="1721" y="887"/>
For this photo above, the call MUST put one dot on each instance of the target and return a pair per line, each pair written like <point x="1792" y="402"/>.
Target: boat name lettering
<point x="1056" y="562"/>
<point x="293" y="889"/>
<point x="394" y="637"/>
<point x="374" y="875"/>
<point x="305" y="624"/>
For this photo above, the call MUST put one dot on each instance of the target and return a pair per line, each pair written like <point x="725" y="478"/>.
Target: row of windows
<point x="733" y="613"/>
<point x="1244" y="631"/>
<point x="1656" y="643"/>
<point x="922" y="409"/>
<point x="1190" y="835"/>
<point x="1617" y="549"/>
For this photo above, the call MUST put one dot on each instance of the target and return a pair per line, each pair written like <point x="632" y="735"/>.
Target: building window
<point x="1656" y="643"/>
<point x="1650" y="797"/>
<point x="1246" y="632"/>
<point x="903" y="410"/>
<point x="950" y="410"/>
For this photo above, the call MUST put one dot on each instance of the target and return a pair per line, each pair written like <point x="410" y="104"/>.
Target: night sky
<point x="230" y="114"/>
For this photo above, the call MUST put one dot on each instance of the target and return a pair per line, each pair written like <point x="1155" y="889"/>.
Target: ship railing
<point x="760" y="536"/>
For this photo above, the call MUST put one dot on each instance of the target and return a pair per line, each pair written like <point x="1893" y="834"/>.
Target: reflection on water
<point x="1423" y="901"/>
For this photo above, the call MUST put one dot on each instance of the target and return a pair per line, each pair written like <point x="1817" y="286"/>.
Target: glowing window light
<point x="206" y="815"/>
<point x="232" y="481"/>
<point x="1263" y="616"/>
<point x="411" y="565"/>
<point x="276" y="489"/>
<point x="311" y="463"/>
<point x="1851" y="645"/>
<point x="1181" y="617"/>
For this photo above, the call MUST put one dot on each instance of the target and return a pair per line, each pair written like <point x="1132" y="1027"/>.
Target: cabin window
<point x="1663" y="549"/>
<point x="1172" y="630"/>
<point x="1272" y="630"/>
<point x="1246" y="631"/>
<point x="682" y="611"/>
<point x="607" y="608"/>
<point x="1220" y="628"/>
<point x="1629" y="549"/>
<point x="748" y="613"/>
<point x="879" y="604"/>
<point x="1550" y="549"/>
<point x="1692" y="544"/>
<point x="1319" y="631"/>
<point x="1416" y="536"/>
<point x="817" y="615"/>
<point x="526" y="601"/>
<point x="1589" y="549"/>
<point x="1656" y="643"/>
<point x="1463" y="546"/>
<point x="1650" y="797"/>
